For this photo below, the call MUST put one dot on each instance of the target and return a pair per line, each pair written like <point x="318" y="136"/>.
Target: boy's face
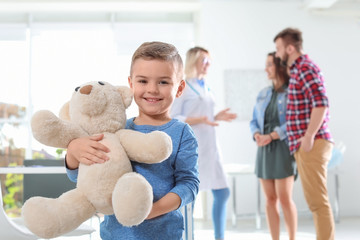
<point x="155" y="86"/>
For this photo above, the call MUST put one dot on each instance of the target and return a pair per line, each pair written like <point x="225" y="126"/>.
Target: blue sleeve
<point x="186" y="168"/>
<point x="281" y="131"/>
<point x="254" y="126"/>
<point x="72" y="174"/>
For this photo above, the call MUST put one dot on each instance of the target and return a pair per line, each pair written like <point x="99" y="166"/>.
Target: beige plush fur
<point x="109" y="188"/>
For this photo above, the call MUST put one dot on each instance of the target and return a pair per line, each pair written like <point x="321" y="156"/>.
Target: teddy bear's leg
<point x="132" y="199"/>
<point x="49" y="218"/>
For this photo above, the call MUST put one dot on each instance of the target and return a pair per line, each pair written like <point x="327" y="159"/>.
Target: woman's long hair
<point x="280" y="70"/>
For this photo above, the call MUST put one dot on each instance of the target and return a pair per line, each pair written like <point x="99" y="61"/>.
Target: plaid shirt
<point x="306" y="91"/>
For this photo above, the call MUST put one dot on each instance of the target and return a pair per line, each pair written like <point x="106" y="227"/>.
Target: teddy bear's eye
<point x="76" y="89"/>
<point x="101" y="83"/>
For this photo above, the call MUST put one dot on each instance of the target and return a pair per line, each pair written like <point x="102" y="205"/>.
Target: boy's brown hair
<point x="291" y="36"/>
<point x="159" y="51"/>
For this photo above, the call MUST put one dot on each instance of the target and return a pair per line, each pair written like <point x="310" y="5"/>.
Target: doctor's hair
<point x="192" y="57"/>
<point x="291" y="36"/>
<point x="159" y="51"/>
<point x="280" y="69"/>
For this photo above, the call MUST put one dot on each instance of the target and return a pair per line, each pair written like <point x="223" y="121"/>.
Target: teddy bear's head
<point x="98" y="107"/>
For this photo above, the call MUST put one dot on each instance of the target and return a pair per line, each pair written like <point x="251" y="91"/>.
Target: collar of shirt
<point x="298" y="61"/>
<point x="201" y="82"/>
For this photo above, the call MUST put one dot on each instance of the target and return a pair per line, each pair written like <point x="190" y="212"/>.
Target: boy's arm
<point x="186" y="168"/>
<point x="168" y="203"/>
<point x="186" y="177"/>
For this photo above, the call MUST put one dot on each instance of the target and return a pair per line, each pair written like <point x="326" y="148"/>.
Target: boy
<point x="156" y="78"/>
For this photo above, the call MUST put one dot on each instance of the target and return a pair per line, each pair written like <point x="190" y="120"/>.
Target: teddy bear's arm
<point x="48" y="129"/>
<point x="152" y="147"/>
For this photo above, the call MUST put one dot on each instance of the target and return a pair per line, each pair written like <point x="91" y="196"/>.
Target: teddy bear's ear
<point x="64" y="112"/>
<point x="126" y="95"/>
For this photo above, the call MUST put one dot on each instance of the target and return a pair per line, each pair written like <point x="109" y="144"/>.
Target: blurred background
<point x="47" y="48"/>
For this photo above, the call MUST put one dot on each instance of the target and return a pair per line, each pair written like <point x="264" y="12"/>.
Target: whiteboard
<point x="241" y="89"/>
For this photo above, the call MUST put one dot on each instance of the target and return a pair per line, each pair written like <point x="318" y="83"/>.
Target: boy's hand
<point x="86" y="150"/>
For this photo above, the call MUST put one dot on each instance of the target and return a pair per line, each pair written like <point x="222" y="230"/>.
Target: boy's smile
<point x="155" y="85"/>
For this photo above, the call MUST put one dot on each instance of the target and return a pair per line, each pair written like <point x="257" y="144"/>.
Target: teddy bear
<point x="109" y="188"/>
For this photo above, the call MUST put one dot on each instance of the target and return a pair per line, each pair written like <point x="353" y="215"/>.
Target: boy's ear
<point x="130" y="82"/>
<point x="181" y="88"/>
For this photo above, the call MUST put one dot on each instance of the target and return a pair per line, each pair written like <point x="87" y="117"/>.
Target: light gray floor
<point x="347" y="229"/>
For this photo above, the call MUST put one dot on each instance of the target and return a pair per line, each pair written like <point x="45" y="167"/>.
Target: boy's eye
<point x="142" y="81"/>
<point x="163" y="82"/>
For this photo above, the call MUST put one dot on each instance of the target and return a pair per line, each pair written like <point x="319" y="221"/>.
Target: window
<point x="43" y="68"/>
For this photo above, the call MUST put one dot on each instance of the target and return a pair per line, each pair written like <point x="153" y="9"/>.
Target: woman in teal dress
<point x="275" y="167"/>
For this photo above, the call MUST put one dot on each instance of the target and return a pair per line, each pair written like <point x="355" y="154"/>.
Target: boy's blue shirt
<point x="177" y="174"/>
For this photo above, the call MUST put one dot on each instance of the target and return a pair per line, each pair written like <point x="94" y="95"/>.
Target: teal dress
<point x="274" y="160"/>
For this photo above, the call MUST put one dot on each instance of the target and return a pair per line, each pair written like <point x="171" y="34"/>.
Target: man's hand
<point x="307" y="142"/>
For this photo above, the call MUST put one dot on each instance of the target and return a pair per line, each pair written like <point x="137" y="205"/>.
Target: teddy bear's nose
<point x="86" y="89"/>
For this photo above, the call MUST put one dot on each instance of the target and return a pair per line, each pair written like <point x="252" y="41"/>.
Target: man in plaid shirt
<point x="307" y="127"/>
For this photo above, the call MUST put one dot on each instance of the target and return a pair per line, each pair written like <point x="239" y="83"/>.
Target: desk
<point x="235" y="170"/>
<point x="33" y="170"/>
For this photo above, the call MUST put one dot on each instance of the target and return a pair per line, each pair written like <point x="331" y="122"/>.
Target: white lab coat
<point x="197" y="103"/>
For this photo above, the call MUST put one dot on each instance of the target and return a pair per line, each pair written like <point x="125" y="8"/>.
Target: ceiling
<point x="8" y="8"/>
<point x="346" y="8"/>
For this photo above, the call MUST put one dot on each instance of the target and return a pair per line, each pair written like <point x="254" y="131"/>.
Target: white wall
<point x="239" y="34"/>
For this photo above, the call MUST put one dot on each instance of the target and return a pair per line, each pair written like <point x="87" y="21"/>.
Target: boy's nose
<point x="153" y="88"/>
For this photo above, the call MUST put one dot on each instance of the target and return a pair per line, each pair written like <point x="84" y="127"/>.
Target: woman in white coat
<point x="196" y="107"/>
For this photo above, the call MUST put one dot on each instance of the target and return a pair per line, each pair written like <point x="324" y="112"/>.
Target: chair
<point x="14" y="229"/>
<point x="333" y="165"/>
<point x="187" y="212"/>
<point x="45" y="185"/>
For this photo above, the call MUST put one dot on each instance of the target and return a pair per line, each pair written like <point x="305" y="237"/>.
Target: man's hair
<point x="291" y="36"/>
<point x="280" y="69"/>
<point x="159" y="51"/>
<point x="192" y="56"/>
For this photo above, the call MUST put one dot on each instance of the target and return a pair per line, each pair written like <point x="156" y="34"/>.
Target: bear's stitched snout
<point x="86" y="89"/>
